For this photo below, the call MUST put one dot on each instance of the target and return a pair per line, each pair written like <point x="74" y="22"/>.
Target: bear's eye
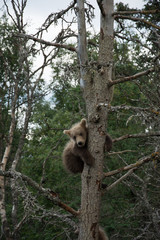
<point x="81" y="134"/>
<point x="74" y="137"/>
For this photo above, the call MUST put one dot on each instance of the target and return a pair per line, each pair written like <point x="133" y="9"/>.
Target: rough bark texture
<point x="96" y="91"/>
<point x="3" y="214"/>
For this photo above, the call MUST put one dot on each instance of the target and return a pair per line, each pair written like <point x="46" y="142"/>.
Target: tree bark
<point x="1" y="136"/>
<point x="4" y="161"/>
<point x="96" y="91"/>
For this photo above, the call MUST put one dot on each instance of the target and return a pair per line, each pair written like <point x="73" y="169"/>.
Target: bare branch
<point x="129" y="108"/>
<point x="129" y="78"/>
<point x="153" y="156"/>
<point x="141" y="135"/>
<point x="120" y="152"/>
<point x="137" y="20"/>
<point x="137" y="12"/>
<point x="130" y="39"/>
<point x="100" y="4"/>
<point x="20" y="224"/>
<point x="53" y="17"/>
<point x="120" y="180"/>
<point x="144" y="231"/>
<point x="139" y="110"/>
<point x="48" y="193"/>
<point x="21" y="35"/>
<point x="126" y="108"/>
<point x="7" y="8"/>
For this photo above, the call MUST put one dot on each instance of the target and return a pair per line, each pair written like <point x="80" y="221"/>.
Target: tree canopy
<point x="38" y="198"/>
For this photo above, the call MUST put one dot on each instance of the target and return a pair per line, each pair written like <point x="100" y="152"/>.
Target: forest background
<point x="39" y="195"/>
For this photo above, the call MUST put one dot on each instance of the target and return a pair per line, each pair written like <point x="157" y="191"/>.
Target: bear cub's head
<point x="78" y="133"/>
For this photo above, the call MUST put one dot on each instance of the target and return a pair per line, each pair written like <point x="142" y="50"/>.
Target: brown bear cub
<point x="76" y="153"/>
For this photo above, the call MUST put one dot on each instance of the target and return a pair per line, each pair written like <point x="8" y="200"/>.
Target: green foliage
<point x="122" y="7"/>
<point x="42" y="153"/>
<point x="67" y="107"/>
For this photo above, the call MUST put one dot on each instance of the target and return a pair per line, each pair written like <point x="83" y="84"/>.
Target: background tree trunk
<point x="96" y="91"/>
<point x="31" y="139"/>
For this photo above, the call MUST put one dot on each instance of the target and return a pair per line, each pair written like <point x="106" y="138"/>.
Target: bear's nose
<point x="80" y="144"/>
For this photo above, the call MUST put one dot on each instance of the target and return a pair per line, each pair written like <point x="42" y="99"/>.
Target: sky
<point x="46" y="7"/>
<point x="37" y="11"/>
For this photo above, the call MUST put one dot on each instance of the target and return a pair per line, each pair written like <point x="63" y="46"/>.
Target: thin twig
<point x="120" y="180"/>
<point x="46" y="159"/>
<point x="153" y="156"/>
<point x="120" y="152"/>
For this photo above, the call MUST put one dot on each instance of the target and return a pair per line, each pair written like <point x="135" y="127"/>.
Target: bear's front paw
<point x="88" y="158"/>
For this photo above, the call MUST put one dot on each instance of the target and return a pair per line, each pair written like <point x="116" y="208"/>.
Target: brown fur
<point x="75" y="152"/>
<point x="102" y="235"/>
<point x="108" y="144"/>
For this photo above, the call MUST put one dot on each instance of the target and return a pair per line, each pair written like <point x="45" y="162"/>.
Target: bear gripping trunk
<point x="96" y="91"/>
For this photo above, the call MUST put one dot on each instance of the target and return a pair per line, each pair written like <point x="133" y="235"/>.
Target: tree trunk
<point x="4" y="226"/>
<point x="96" y="91"/>
<point x="6" y="230"/>
<point x="1" y="135"/>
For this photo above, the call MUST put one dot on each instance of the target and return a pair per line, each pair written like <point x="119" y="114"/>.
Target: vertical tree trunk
<point x="3" y="215"/>
<point x="1" y="136"/>
<point x="95" y="91"/>
<point x="5" y="228"/>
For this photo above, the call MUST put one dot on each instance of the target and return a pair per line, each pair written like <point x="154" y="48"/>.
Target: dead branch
<point x="48" y="193"/>
<point x="129" y="78"/>
<point x="141" y="236"/>
<point x="130" y="39"/>
<point x="137" y="12"/>
<point x="141" y="135"/>
<point x="154" y="156"/>
<point x="120" y="152"/>
<point x="20" y="224"/>
<point x="58" y="45"/>
<point x="137" y="20"/>
<point x="129" y="108"/>
<point x="53" y="17"/>
<point x="126" y="108"/>
<point x="120" y="180"/>
<point x="100" y="4"/>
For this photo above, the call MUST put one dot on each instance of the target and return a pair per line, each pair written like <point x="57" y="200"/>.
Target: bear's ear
<point x="83" y="122"/>
<point x="67" y="132"/>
